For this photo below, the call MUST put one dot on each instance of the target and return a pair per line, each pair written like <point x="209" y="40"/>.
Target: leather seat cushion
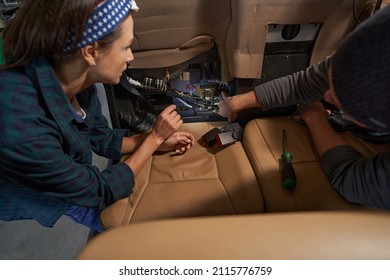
<point x="262" y="140"/>
<point x="204" y="181"/>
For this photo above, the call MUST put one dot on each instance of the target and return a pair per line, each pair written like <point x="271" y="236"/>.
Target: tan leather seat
<point x="263" y="143"/>
<point x="204" y="181"/>
<point x="241" y="178"/>
<point x="305" y="235"/>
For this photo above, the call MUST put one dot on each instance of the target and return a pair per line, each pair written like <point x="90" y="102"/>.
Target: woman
<point x="50" y="117"/>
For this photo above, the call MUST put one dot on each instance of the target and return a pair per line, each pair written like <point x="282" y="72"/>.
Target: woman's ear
<point x="89" y="54"/>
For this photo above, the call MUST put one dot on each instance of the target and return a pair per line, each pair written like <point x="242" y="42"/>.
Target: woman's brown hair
<point x="42" y="28"/>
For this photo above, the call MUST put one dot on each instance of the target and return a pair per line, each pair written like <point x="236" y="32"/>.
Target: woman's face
<point x="111" y="63"/>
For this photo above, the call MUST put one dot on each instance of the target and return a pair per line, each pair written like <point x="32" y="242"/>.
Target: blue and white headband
<point x="104" y="20"/>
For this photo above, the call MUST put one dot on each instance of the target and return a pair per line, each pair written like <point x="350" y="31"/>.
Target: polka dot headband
<point x="104" y="20"/>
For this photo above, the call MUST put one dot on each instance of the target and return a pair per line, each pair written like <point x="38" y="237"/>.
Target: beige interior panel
<point x="247" y="34"/>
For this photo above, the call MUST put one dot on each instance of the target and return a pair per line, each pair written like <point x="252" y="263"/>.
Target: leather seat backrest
<point x="247" y="35"/>
<point x="171" y="32"/>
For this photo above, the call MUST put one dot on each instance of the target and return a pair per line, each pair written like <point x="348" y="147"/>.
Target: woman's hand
<point x="166" y="123"/>
<point x="180" y="142"/>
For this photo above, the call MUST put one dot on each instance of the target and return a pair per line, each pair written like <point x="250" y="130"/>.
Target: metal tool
<point x="286" y="168"/>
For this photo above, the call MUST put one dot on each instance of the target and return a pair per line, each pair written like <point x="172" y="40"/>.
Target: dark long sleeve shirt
<point x="46" y="148"/>
<point x="363" y="180"/>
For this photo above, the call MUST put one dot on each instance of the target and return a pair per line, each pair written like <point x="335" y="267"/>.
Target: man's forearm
<point x="247" y="100"/>
<point x="324" y="137"/>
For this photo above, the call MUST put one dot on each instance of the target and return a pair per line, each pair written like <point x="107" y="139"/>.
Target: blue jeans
<point x="86" y="216"/>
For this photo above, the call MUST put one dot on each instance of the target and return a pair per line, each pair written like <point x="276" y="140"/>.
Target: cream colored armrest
<point x="304" y="235"/>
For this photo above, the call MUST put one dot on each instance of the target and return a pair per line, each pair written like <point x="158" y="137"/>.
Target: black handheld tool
<point x="286" y="168"/>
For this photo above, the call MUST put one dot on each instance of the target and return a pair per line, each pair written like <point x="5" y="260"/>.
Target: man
<point x="356" y="79"/>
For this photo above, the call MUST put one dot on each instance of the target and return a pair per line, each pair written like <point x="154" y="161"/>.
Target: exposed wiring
<point x="149" y="84"/>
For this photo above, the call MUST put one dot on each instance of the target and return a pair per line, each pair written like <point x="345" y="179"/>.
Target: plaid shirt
<point x="46" y="148"/>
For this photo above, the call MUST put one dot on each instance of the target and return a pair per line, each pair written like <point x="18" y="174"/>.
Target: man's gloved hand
<point x="224" y="90"/>
<point x="226" y="109"/>
<point x="225" y="105"/>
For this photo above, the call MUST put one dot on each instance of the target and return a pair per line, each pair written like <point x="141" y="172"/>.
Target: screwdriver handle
<point x="287" y="171"/>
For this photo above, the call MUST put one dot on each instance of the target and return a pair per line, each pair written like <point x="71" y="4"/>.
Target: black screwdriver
<point x="286" y="168"/>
